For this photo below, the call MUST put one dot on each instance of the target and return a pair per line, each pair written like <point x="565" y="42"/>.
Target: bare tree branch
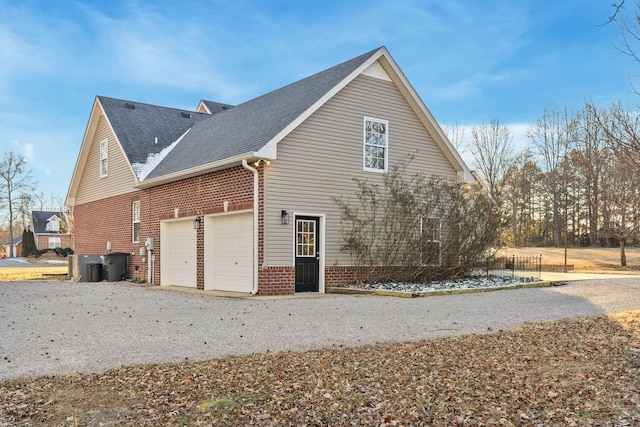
<point x="617" y="8"/>
<point x="15" y="180"/>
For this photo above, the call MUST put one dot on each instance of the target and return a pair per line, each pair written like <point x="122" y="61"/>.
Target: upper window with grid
<point x="376" y="144"/>
<point x="104" y="158"/>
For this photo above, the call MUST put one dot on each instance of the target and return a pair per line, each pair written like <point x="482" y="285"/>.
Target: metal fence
<point x="515" y="264"/>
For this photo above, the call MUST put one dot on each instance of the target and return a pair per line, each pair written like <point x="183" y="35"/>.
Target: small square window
<point x="376" y="145"/>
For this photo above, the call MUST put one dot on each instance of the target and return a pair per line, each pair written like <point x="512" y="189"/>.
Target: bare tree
<point x="68" y="220"/>
<point x="620" y="161"/>
<point x="552" y="137"/>
<point x="621" y="128"/>
<point x="455" y="133"/>
<point x="629" y="42"/>
<point x="24" y="207"/>
<point x="15" y="180"/>
<point x="621" y="200"/>
<point x="412" y="227"/>
<point x="492" y="150"/>
<point x="590" y="158"/>
<point x="521" y="198"/>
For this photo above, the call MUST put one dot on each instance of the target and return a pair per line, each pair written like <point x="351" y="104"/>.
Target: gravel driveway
<point x="55" y="327"/>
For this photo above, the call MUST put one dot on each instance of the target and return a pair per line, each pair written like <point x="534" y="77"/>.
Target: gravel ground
<point x="54" y="327"/>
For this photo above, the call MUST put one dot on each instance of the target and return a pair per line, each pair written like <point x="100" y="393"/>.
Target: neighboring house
<point x="239" y="198"/>
<point x="17" y="248"/>
<point x="49" y="230"/>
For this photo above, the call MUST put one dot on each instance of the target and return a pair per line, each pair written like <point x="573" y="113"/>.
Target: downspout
<point x="256" y="194"/>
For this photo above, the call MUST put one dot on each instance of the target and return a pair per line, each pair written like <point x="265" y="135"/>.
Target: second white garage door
<point x="229" y="252"/>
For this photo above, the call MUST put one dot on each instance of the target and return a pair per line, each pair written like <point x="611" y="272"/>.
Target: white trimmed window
<point x="104" y="158"/>
<point x="135" y="221"/>
<point x="376" y="145"/>
<point x="53" y="224"/>
<point x="54" y="242"/>
<point x="431" y="230"/>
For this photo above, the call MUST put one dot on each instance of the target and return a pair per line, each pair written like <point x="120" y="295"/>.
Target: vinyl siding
<point x="320" y="158"/>
<point x="120" y="178"/>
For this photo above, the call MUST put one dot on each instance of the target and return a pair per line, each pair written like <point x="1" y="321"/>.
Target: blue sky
<point x="470" y="61"/>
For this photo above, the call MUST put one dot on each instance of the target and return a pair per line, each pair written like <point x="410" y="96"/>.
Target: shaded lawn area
<point x="583" y="371"/>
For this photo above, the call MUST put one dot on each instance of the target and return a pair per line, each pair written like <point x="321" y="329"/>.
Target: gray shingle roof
<point x="216" y="107"/>
<point x="16" y="241"/>
<point x="248" y="127"/>
<point x="39" y="220"/>
<point x="138" y="127"/>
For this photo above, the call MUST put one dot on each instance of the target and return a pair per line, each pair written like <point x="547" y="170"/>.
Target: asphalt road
<point x="14" y="262"/>
<point x="55" y="327"/>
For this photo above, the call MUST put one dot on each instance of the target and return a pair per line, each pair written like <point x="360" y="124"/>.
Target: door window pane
<point x="305" y="238"/>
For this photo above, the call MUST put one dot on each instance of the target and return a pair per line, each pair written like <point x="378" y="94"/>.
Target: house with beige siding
<point x="240" y="198"/>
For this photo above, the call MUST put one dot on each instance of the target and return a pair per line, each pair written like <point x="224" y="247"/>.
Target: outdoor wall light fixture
<point x="263" y="161"/>
<point x="284" y="217"/>
<point x="197" y="222"/>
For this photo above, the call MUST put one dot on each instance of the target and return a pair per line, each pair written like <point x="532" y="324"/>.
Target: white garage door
<point x="178" y="252"/>
<point x="229" y="265"/>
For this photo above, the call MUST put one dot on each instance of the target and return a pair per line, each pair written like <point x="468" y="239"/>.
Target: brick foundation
<point x="339" y="275"/>
<point x="276" y="281"/>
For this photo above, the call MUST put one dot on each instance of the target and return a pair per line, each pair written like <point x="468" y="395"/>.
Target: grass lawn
<point x="584" y="260"/>
<point x="33" y="272"/>
<point x="15" y="274"/>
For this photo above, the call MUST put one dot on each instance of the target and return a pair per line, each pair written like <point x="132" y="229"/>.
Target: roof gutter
<point x="256" y="194"/>
<point x="198" y="170"/>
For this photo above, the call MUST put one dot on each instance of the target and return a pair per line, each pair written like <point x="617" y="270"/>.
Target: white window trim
<point x="54" y="240"/>
<point x="53" y="225"/>
<point x="364" y="145"/>
<point x="134" y="221"/>
<point x="104" y="171"/>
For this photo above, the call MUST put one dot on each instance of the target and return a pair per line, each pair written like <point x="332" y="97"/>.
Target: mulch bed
<point x="583" y="371"/>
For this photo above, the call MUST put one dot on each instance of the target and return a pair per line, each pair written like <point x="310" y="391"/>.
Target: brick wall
<point x="110" y="220"/>
<point x="276" y="281"/>
<point x="42" y="241"/>
<point x="196" y="196"/>
<point x="105" y="220"/>
<point x="339" y="275"/>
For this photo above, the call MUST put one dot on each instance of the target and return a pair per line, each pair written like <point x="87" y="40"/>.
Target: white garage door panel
<point x="233" y="252"/>
<point x="181" y="254"/>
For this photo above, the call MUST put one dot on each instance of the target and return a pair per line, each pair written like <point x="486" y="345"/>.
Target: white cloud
<point x="28" y="152"/>
<point x="156" y="49"/>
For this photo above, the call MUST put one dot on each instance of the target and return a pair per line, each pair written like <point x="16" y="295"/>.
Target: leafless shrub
<point x="412" y="227"/>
